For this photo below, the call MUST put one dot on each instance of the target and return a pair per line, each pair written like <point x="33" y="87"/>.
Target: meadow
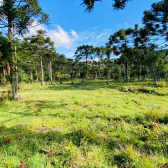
<point x="88" y="125"/>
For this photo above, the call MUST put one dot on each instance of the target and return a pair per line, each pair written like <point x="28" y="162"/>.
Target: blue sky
<point x="71" y="27"/>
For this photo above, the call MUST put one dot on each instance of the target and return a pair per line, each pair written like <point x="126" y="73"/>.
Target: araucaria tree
<point x="122" y="40"/>
<point x="84" y="52"/>
<point x="50" y="53"/>
<point x="19" y="16"/>
<point x="156" y="19"/>
<point x="41" y="44"/>
<point x="99" y="51"/>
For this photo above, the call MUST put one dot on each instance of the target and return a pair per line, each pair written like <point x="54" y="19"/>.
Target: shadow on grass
<point x="32" y="108"/>
<point x="87" y="85"/>
<point x="25" y="143"/>
<point x="98" y="84"/>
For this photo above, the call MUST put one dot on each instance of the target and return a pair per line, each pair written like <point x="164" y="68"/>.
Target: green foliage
<point x="21" y="14"/>
<point x="162" y="83"/>
<point x="65" y="77"/>
<point x="5" y="51"/>
<point x="24" y="78"/>
<point x="156" y="19"/>
<point x="58" y="75"/>
<point x="5" y="96"/>
<point x="135" y="89"/>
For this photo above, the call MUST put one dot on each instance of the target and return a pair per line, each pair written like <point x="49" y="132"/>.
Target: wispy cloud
<point x="74" y="34"/>
<point x="67" y="42"/>
<point x="94" y="37"/>
<point x="124" y="25"/>
<point x="60" y="37"/>
<point x="88" y="37"/>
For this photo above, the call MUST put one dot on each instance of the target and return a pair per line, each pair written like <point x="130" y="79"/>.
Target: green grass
<point x="92" y="125"/>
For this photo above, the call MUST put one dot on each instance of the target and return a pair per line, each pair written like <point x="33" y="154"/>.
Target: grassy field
<point x="91" y="125"/>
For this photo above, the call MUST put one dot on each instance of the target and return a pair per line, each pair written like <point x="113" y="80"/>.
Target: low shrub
<point x="161" y="83"/>
<point x="135" y="89"/>
<point x="6" y="96"/>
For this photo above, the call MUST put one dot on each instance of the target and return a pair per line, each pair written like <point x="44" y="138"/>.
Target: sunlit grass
<point x="87" y="125"/>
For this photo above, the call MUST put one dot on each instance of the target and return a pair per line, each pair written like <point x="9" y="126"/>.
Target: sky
<point x="71" y="27"/>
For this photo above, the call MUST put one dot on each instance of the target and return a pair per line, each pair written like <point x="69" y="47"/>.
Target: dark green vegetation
<point x="88" y="125"/>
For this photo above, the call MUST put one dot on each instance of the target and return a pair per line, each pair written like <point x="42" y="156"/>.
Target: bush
<point x="23" y="77"/>
<point x="135" y="89"/>
<point x="6" y="96"/>
<point x="65" y="77"/>
<point x="58" y="75"/>
<point x="161" y="84"/>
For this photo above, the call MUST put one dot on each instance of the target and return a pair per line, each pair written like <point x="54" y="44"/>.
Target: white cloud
<point x="33" y="29"/>
<point x="67" y="42"/>
<point x="60" y="37"/>
<point x="95" y="38"/>
<point x="125" y="23"/>
<point x="74" y="34"/>
<point x="99" y="36"/>
<point x="70" y="55"/>
<point x="104" y="35"/>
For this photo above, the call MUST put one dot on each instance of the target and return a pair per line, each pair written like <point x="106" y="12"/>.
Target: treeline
<point x="133" y="53"/>
<point x="141" y="51"/>
<point x="36" y="60"/>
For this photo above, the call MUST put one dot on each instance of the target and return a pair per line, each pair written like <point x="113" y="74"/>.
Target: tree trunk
<point x="13" y="73"/>
<point x="1" y="78"/>
<point x="140" y="72"/>
<point x="42" y="73"/>
<point x="126" y="71"/>
<point x="87" y="68"/>
<point x="16" y="76"/>
<point x="99" y="70"/>
<point x="3" y="75"/>
<point x="108" y="72"/>
<point x="36" y="75"/>
<point x="31" y="77"/>
<point x="155" y="76"/>
<point x="50" y="71"/>
<point x="72" y="78"/>
<point x="96" y="75"/>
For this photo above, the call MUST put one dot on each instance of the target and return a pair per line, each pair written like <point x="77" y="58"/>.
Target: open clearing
<point x="92" y="125"/>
